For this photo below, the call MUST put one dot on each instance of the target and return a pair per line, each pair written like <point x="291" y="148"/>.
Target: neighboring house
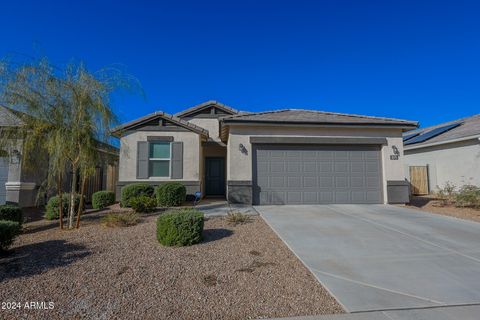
<point x="448" y="152"/>
<point x="276" y="157"/>
<point x="20" y="184"/>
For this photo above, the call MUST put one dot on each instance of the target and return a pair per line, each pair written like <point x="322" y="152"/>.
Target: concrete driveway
<point x="380" y="257"/>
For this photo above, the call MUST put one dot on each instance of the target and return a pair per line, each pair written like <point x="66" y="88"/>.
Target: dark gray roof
<point x="160" y="114"/>
<point x="299" y="116"/>
<point x="470" y="126"/>
<point x="8" y="118"/>
<point x="206" y="104"/>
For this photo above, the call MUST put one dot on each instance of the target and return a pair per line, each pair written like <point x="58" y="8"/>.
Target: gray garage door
<point x="324" y="174"/>
<point x="3" y="178"/>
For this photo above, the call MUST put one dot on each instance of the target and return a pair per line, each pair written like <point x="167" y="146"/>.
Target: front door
<point x="214" y="176"/>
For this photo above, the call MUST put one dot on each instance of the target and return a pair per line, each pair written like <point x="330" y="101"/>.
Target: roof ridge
<point x="354" y="115"/>
<point x="160" y="114"/>
<point x="204" y="104"/>
<point x="256" y="113"/>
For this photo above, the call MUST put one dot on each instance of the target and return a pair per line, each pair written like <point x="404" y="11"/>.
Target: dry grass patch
<point x="236" y="217"/>
<point x="120" y="219"/>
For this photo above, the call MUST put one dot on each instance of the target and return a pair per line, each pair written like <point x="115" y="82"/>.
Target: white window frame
<point x="160" y="159"/>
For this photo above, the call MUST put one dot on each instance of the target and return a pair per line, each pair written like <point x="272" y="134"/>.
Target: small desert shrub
<point x="8" y="231"/>
<point x="170" y="194"/>
<point x="134" y="190"/>
<point x="52" y="210"/>
<point x="102" y="199"/>
<point x="180" y="227"/>
<point x="236" y="217"/>
<point x="468" y="196"/>
<point x="120" y="219"/>
<point x="446" y="194"/>
<point x="143" y="204"/>
<point x="11" y="213"/>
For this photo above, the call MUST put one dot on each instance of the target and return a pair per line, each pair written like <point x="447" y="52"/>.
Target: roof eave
<point x="405" y="126"/>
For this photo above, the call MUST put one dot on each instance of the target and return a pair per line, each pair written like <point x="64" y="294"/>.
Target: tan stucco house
<point x="449" y="152"/>
<point x="276" y="157"/>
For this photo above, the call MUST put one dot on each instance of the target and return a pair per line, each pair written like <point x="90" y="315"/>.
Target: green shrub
<point x="120" y="219"/>
<point x="102" y="199"/>
<point x="8" y="231"/>
<point x="468" y="196"/>
<point x="134" y="190"/>
<point x="143" y="204"/>
<point x="180" y="227"/>
<point x="447" y="193"/>
<point x="170" y="194"/>
<point x="11" y="213"/>
<point x="52" y="211"/>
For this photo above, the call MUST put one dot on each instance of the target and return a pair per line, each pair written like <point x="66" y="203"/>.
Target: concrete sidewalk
<point x="442" y="313"/>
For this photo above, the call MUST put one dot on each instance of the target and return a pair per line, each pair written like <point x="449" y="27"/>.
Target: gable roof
<point x="156" y="115"/>
<point x="469" y="127"/>
<point x="204" y="105"/>
<point x="299" y="116"/>
<point x="8" y="118"/>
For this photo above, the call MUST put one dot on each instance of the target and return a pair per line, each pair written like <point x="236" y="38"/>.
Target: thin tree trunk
<point x="60" y="202"/>
<point x="82" y="195"/>
<point x="73" y="192"/>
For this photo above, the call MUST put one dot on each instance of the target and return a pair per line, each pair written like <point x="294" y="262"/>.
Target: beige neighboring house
<point x="276" y="157"/>
<point x="448" y="152"/>
<point x="19" y="184"/>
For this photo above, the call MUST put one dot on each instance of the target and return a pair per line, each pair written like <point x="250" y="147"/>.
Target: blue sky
<point x="417" y="60"/>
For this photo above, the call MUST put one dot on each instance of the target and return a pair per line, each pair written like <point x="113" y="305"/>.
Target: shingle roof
<point x="160" y="114"/>
<point x="315" y="117"/>
<point x="470" y="126"/>
<point x="204" y="105"/>
<point x="8" y="118"/>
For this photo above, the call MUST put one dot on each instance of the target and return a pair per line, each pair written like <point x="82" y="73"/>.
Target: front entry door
<point x="215" y="176"/>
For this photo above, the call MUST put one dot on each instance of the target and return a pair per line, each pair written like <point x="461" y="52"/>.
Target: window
<point x="159" y="159"/>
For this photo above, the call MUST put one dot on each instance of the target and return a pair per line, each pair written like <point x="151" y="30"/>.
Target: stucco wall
<point x="239" y="165"/>
<point x="458" y="163"/>
<point x="128" y="155"/>
<point x="212" y="125"/>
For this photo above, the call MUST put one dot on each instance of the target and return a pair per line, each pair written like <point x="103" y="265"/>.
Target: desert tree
<point x="66" y="113"/>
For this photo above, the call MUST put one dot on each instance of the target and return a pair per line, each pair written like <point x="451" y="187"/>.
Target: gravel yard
<point x="433" y="205"/>
<point x="237" y="272"/>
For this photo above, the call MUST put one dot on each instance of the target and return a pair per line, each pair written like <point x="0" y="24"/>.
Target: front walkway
<point x="380" y="257"/>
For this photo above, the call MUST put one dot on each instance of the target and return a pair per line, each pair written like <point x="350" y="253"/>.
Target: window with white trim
<point x="159" y="159"/>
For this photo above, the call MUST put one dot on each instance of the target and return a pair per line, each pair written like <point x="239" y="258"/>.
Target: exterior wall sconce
<point x="242" y="149"/>
<point x="396" y="153"/>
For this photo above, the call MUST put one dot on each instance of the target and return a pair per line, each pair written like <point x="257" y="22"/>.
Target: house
<point x="448" y="152"/>
<point x="20" y="184"/>
<point x="276" y="157"/>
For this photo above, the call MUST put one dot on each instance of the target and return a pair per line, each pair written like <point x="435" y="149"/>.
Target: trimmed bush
<point x="53" y="213"/>
<point x="180" y="227"/>
<point x="170" y="194"/>
<point x="143" y="204"/>
<point x="11" y="213"/>
<point x="8" y="231"/>
<point x="133" y="190"/>
<point x="102" y="199"/>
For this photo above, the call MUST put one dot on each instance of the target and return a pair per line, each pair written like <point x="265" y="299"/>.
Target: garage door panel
<point x="325" y="167"/>
<point x="317" y="174"/>
<point x="310" y="182"/>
